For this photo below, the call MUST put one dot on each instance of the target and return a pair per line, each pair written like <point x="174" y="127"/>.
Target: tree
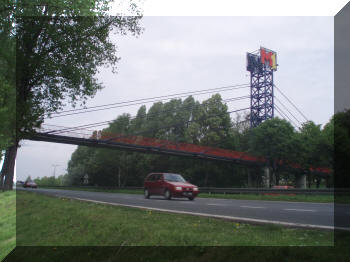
<point x="327" y="144"/>
<point x="310" y="139"/>
<point x="240" y="131"/>
<point x="7" y="113"/>
<point x="188" y="121"/>
<point x="310" y="148"/>
<point x="58" y="53"/>
<point x="215" y="122"/>
<point x="274" y="140"/>
<point x="7" y="82"/>
<point x="342" y="148"/>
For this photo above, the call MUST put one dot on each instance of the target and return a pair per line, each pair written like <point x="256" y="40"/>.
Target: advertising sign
<point x="268" y="58"/>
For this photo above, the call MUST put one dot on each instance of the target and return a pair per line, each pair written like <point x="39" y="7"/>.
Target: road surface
<point x="299" y="214"/>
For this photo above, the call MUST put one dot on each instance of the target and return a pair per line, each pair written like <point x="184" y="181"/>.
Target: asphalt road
<point x="300" y="214"/>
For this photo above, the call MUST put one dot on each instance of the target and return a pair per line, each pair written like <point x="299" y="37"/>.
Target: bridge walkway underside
<point x="157" y="146"/>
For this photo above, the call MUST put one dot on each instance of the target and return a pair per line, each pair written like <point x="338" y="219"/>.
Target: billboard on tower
<point x="262" y="58"/>
<point x="268" y="58"/>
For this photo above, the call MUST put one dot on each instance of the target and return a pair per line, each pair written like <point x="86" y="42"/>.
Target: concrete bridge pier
<point x="266" y="177"/>
<point x="269" y="178"/>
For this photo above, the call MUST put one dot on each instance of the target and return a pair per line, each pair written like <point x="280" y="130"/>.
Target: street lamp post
<point x="54" y="169"/>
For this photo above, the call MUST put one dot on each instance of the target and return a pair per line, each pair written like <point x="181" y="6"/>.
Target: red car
<point x="283" y="187"/>
<point x="30" y="184"/>
<point x="280" y="187"/>
<point x="169" y="185"/>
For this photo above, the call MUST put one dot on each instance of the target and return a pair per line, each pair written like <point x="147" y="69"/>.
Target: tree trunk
<point x="126" y="170"/>
<point x="206" y="175"/>
<point x="318" y="181"/>
<point x="2" y="176"/>
<point x="273" y="174"/>
<point x="277" y="175"/>
<point x="309" y="180"/>
<point x="118" y="176"/>
<point x="277" y="179"/>
<point x="250" y="182"/>
<point x="1" y="181"/>
<point x="8" y="168"/>
<point x="272" y="178"/>
<point x="328" y="182"/>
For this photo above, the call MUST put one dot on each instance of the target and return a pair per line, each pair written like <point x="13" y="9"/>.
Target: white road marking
<point x="252" y="207"/>
<point x="216" y="205"/>
<point x="301" y="210"/>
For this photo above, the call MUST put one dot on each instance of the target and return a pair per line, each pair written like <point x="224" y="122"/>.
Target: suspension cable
<point x="146" y="100"/>
<point x="288" y="110"/>
<point x="291" y="103"/>
<point x="151" y="116"/>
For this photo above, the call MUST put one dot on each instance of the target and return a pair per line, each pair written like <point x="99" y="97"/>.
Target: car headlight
<point x="178" y="188"/>
<point x="195" y="189"/>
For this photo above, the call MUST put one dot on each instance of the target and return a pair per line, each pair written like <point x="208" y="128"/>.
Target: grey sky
<point x="342" y="59"/>
<point x="180" y="54"/>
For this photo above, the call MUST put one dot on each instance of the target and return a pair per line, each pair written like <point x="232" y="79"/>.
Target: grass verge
<point x="7" y="222"/>
<point x="51" y="221"/>
<point x="295" y="198"/>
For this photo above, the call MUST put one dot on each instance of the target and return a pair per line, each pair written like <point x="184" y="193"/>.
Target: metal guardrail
<point x="214" y="190"/>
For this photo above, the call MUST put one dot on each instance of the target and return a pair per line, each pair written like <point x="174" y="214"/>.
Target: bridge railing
<point x="64" y="131"/>
<point x="82" y="136"/>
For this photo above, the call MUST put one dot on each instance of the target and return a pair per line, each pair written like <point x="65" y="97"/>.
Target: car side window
<point x="150" y="178"/>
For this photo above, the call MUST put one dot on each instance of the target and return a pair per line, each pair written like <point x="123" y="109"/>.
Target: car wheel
<point x="147" y="195"/>
<point x="167" y="194"/>
<point x="191" y="198"/>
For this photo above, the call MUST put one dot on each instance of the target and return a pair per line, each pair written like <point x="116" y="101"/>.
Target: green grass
<point x="182" y="254"/>
<point x="296" y="198"/>
<point x="51" y="221"/>
<point x="7" y="222"/>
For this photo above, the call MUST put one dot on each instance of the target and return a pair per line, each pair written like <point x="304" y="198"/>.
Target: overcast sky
<point x="180" y="54"/>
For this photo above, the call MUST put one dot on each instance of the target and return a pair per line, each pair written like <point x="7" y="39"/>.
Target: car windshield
<point x="174" y="178"/>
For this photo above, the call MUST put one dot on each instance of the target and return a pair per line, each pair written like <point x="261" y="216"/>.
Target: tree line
<point x="50" y="180"/>
<point x="206" y="123"/>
